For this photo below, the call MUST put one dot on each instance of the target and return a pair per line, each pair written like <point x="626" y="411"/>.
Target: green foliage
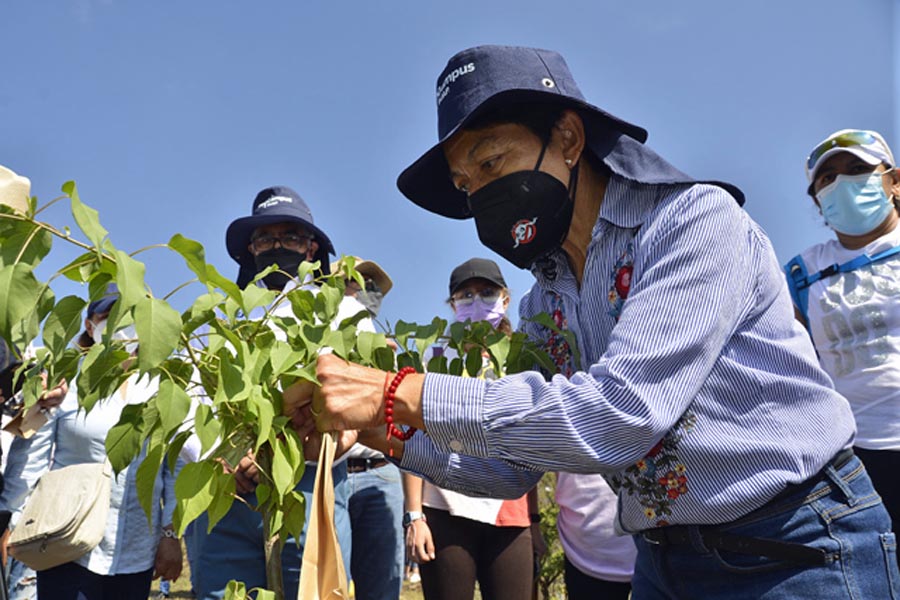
<point x="217" y="369"/>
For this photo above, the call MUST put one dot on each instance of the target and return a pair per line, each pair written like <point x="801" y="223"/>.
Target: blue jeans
<point x="840" y="514"/>
<point x="22" y="581"/>
<point x="235" y="547"/>
<point x="376" y="514"/>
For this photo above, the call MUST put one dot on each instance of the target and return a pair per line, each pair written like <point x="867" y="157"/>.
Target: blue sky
<point x="171" y="116"/>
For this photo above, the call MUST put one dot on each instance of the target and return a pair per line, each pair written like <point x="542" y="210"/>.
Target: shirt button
<point x="456" y="445"/>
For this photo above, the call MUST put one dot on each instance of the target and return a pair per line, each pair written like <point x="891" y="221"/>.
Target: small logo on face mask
<point x="524" y="231"/>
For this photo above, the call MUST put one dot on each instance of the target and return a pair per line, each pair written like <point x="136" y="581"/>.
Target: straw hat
<point x="15" y="190"/>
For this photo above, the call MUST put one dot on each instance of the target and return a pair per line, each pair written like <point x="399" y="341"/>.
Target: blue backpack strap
<point x="798" y="284"/>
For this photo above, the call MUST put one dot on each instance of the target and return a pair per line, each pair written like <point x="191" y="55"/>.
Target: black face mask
<point x="287" y="261"/>
<point x="525" y="215"/>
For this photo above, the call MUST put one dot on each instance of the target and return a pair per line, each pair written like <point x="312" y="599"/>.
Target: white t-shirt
<point x="855" y="324"/>
<point x="587" y="512"/>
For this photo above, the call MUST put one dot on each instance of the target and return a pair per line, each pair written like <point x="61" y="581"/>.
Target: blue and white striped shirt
<point x="697" y="395"/>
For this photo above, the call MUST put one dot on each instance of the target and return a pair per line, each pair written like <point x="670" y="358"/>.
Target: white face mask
<point x="124" y="334"/>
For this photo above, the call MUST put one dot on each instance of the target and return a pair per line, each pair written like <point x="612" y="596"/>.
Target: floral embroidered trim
<point x="556" y="345"/>
<point x="659" y="478"/>
<point x="620" y="281"/>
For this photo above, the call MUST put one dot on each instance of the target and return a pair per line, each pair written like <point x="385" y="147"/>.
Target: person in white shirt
<point x="846" y="292"/>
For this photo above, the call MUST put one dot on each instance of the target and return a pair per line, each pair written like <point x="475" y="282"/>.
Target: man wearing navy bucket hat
<point x="280" y="231"/>
<point x="692" y="390"/>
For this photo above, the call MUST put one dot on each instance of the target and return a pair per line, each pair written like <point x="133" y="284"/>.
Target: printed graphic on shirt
<point x="660" y="478"/>
<point x="620" y="281"/>
<point x="854" y="320"/>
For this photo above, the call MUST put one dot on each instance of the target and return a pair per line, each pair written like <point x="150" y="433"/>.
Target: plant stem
<point x="273" y="542"/>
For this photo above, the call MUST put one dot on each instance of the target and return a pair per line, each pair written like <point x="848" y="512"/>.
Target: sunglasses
<point x="844" y="140"/>
<point x="289" y="241"/>
<point x="487" y="296"/>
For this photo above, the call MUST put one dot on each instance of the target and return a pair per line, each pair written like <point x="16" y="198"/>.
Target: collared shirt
<point x="692" y="389"/>
<point x="73" y="437"/>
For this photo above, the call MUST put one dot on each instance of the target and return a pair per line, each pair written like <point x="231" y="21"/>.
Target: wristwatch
<point x="413" y="515"/>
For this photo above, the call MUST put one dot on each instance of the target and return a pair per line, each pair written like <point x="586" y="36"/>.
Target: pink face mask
<point x="481" y="311"/>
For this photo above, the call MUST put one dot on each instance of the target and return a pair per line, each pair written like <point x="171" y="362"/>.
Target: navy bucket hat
<point x="277" y="204"/>
<point x="480" y="79"/>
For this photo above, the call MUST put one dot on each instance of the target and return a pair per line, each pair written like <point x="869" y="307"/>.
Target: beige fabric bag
<point x="322" y="574"/>
<point x="64" y="517"/>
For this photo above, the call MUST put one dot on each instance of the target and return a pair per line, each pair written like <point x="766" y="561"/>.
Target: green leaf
<point x="303" y="304"/>
<point x="283" y="357"/>
<point x="264" y="412"/>
<point x="235" y="590"/>
<point x="21" y="292"/>
<point x="263" y="594"/>
<point x="194" y="491"/>
<point x="402" y="331"/>
<point x="145" y="479"/>
<point x="173" y="450"/>
<point x="130" y="280"/>
<point x="428" y="335"/>
<point x="24" y="242"/>
<point x="254" y="296"/>
<point x="294" y="508"/>
<point x="327" y="301"/>
<point x="87" y="218"/>
<point x="101" y="374"/>
<point x="193" y="253"/>
<point x="263" y="491"/>
<point x="474" y="362"/>
<point x="456" y="367"/>
<point x="282" y="473"/>
<point x="123" y="442"/>
<point x="384" y="358"/>
<point x="173" y="404"/>
<point x="158" y="327"/>
<point x="366" y="343"/>
<point x="206" y="426"/>
<point x="64" y="366"/>
<point x="222" y="499"/>
<point x="63" y="324"/>
<point x="437" y="364"/>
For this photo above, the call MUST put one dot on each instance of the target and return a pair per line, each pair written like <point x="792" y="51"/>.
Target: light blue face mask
<point x="855" y="204"/>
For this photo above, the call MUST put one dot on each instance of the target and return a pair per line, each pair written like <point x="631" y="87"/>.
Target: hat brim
<point x="237" y="236"/>
<point x="371" y="269"/>
<point x="427" y="182"/>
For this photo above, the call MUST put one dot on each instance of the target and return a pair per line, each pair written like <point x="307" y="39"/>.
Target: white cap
<point x="15" y="190"/>
<point x="867" y="145"/>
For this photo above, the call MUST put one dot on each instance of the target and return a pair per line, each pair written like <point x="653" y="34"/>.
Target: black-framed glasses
<point x="371" y="286"/>
<point x="487" y="296"/>
<point x="289" y="241"/>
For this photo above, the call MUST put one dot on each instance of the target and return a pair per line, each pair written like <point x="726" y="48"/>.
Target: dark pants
<point x="73" y="582"/>
<point x="883" y="467"/>
<point x="500" y="558"/>
<point x="580" y="586"/>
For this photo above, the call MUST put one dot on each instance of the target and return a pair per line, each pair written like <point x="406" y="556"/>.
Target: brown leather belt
<point x="358" y="465"/>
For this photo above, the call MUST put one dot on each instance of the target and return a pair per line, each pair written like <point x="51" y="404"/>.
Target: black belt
<point x="358" y="465"/>
<point x="714" y="539"/>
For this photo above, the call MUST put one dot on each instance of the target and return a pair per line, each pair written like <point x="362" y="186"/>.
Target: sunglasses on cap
<point x="847" y="139"/>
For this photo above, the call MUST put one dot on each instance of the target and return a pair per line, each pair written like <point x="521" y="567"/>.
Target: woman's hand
<point x="419" y="544"/>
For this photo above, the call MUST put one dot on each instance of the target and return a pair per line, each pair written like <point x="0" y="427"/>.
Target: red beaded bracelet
<point x="389" y="395"/>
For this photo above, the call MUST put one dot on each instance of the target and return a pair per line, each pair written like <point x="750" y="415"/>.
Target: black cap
<point x="476" y="268"/>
